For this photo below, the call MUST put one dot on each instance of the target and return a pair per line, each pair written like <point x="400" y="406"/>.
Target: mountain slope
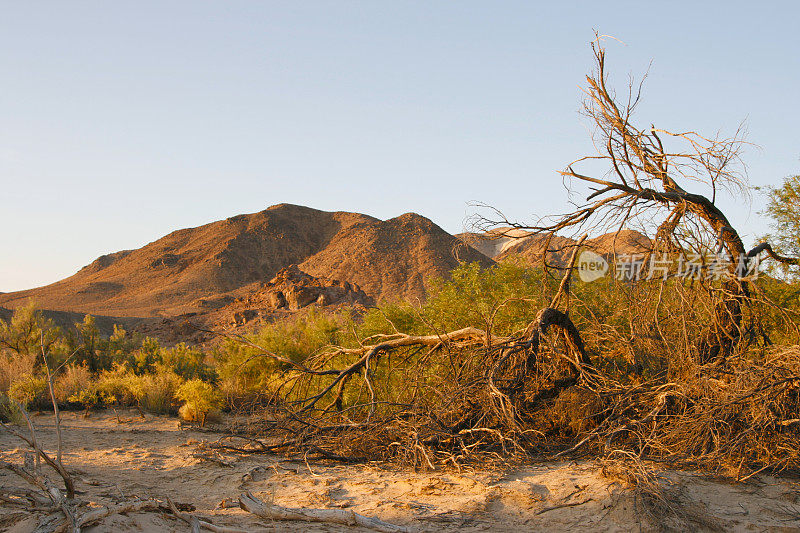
<point x="208" y="266"/>
<point x="506" y="243"/>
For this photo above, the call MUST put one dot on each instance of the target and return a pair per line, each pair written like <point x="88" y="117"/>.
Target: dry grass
<point x="72" y="380"/>
<point x="159" y="391"/>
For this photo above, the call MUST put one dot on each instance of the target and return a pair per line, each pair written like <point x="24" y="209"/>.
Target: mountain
<point x="195" y="270"/>
<point x="290" y="292"/>
<point x="504" y="243"/>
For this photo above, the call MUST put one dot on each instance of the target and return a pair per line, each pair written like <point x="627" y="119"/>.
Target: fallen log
<point x="346" y="517"/>
<point x="125" y="507"/>
<point x="196" y="524"/>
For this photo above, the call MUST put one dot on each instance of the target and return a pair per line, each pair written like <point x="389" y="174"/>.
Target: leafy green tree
<point x="783" y="206"/>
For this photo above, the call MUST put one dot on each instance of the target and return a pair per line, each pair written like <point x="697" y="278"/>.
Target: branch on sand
<point x="253" y="505"/>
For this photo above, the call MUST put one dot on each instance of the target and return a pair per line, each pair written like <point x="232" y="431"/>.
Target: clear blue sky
<point x="122" y="121"/>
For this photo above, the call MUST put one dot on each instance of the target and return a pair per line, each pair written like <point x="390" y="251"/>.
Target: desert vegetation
<point x="504" y="363"/>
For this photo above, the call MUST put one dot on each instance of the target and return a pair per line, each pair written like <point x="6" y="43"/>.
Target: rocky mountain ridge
<point x="197" y="270"/>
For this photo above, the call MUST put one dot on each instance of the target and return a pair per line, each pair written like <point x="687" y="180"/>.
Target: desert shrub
<point x="118" y="347"/>
<point x="160" y="389"/>
<point x="187" y="413"/>
<point x="92" y="398"/>
<point x="246" y="377"/>
<point x="88" y="339"/>
<point x="24" y="333"/>
<point x="144" y="359"/>
<point x="187" y="362"/>
<point x="5" y="408"/>
<point x="388" y="317"/>
<point x="240" y="389"/>
<point x="72" y="380"/>
<point x="97" y="352"/>
<point x="639" y="330"/>
<point x="301" y="336"/>
<point x="786" y="295"/>
<point x="199" y="399"/>
<point x="780" y="320"/>
<point x="605" y="311"/>
<point x="10" y="411"/>
<point x="149" y="357"/>
<point x="421" y="403"/>
<point x="503" y="298"/>
<point x="30" y="391"/>
<point x="125" y="387"/>
<point x="242" y="374"/>
<point x="14" y="366"/>
<point x="782" y="208"/>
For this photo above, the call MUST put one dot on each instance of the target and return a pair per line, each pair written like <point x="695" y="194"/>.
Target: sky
<point x="123" y="121"/>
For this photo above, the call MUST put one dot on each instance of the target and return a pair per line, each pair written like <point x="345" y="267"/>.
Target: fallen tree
<point x="559" y="386"/>
<point x="646" y="182"/>
<point x="414" y="397"/>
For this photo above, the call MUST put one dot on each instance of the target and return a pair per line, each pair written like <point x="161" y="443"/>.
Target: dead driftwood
<point x="251" y="504"/>
<point x="55" y="464"/>
<point x="62" y="510"/>
<point x="95" y="515"/>
<point x="56" y="522"/>
<point x="197" y="524"/>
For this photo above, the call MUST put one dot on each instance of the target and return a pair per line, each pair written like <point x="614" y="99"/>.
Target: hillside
<point x="504" y="243"/>
<point x="203" y="268"/>
<point x="290" y="291"/>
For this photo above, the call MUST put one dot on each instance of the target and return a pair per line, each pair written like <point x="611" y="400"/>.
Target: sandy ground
<point x="156" y="458"/>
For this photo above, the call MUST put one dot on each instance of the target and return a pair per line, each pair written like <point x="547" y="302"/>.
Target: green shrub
<point x="387" y="317"/>
<point x="144" y="359"/>
<point x="187" y="362"/>
<point x="245" y="375"/>
<point x="92" y="398"/>
<point x="118" y="347"/>
<point x="9" y="412"/>
<point x="782" y="207"/>
<point x="5" y="408"/>
<point x="199" y="399"/>
<point x="503" y="298"/>
<point x="30" y="391"/>
<point x="125" y="387"/>
<point x="302" y="335"/>
<point x="26" y="330"/>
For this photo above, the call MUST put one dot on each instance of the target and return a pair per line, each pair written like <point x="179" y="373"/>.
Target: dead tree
<point x="646" y="179"/>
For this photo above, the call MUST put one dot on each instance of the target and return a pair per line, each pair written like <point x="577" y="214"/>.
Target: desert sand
<point x="155" y="457"/>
